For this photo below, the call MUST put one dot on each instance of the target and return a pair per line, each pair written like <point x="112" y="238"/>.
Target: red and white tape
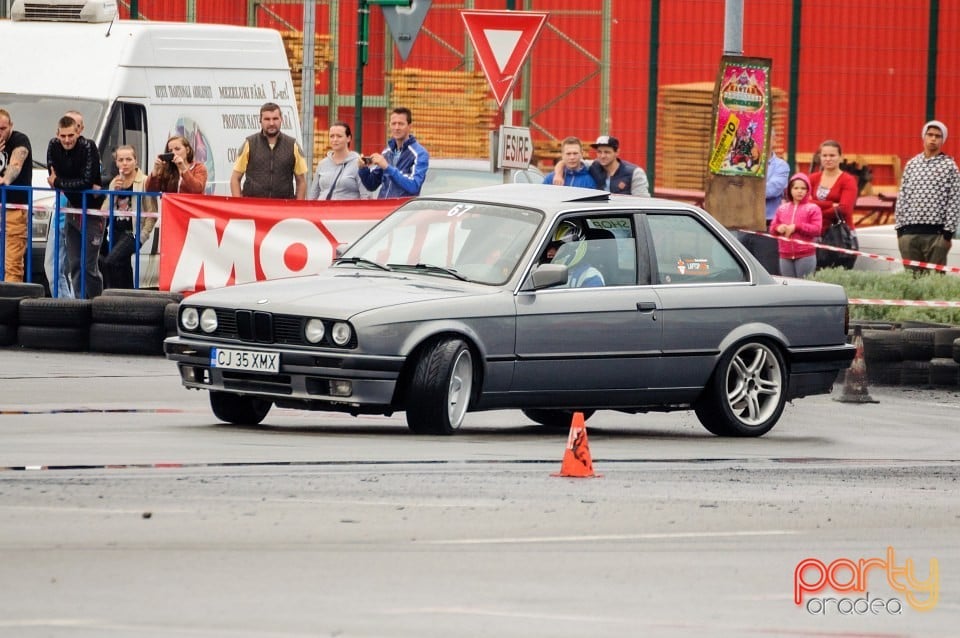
<point x="896" y="260"/>
<point x="79" y="211"/>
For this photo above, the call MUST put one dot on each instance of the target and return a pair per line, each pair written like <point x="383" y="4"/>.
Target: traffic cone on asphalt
<point x="855" y="377"/>
<point x="576" y="458"/>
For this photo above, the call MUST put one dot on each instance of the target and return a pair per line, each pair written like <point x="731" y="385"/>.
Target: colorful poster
<point x="210" y="242"/>
<point x="740" y="132"/>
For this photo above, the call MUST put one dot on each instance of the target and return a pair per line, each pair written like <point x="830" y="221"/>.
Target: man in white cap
<point x="928" y="205"/>
<point x="614" y="174"/>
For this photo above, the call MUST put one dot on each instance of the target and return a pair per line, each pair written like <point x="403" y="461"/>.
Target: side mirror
<point x="548" y="276"/>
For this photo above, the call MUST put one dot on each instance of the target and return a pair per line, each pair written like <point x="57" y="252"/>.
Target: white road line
<point x="607" y="537"/>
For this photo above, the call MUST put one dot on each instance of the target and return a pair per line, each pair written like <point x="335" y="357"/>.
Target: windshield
<point x="36" y="116"/>
<point x="476" y="242"/>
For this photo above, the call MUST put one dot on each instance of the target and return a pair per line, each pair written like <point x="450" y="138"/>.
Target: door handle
<point x="646" y="306"/>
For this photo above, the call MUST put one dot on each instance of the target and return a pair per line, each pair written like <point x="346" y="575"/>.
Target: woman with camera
<point x="115" y="265"/>
<point x="174" y="170"/>
<point x="337" y="176"/>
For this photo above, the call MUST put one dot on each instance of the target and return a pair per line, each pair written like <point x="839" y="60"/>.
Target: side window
<point x="597" y="250"/>
<point x="127" y="125"/>
<point x="686" y="252"/>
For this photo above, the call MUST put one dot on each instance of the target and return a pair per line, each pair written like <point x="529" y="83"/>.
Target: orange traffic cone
<point x="855" y="377"/>
<point x="576" y="458"/>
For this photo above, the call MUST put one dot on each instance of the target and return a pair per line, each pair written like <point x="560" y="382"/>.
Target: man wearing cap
<point x="928" y="205"/>
<point x="614" y="174"/>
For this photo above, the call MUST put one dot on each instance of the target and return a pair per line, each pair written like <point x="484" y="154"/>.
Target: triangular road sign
<point x="502" y="40"/>
<point x="405" y="23"/>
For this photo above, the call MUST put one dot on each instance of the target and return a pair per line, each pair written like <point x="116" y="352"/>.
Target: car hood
<point x="339" y="293"/>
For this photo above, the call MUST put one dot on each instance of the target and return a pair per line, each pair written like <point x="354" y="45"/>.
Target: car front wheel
<point x="441" y="387"/>
<point x="239" y="409"/>
<point x="747" y="392"/>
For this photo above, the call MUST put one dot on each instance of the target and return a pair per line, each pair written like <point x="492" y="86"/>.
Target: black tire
<point x="129" y="310"/>
<point x="170" y="312"/>
<point x="885" y="372"/>
<point x="746" y="392"/>
<point x="554" y="420"/>
<point x="943" y="339"/>
<point x="441" y="388"/>
<point x="915" y="374"/>
<point x="72" y="338"/>
<point x="944" y="372"/>
<point x="8" y="334"/>
<point x="239" y="409"/>
<point x="882" y="345"/>
<point x="956" y="350"/>
<point x="55" y="313"/>
<point x="918" y="344"/>
<point x="15" y="289"/>
<point x="9" y="311"/>
<point x="120" y="338"/>
<point x="143" y="293"/>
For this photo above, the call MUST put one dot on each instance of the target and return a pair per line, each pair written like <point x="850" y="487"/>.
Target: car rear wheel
<point x="239" y="409"/>
<point x="555" y="420"/>
<point x="747" y="392"/>
<point x="441" y="388"/>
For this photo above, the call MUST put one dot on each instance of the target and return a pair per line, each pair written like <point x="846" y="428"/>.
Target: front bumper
<point x="306" y="380"/>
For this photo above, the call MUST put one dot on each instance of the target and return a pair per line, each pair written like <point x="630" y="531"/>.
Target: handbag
<point x="840" y="235"/>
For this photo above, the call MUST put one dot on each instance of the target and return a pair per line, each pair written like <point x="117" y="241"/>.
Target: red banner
<point x="210" y="242"/>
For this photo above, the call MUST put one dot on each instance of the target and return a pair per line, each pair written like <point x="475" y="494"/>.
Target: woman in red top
<point x="179" y="173"/>
<point x="835" y="192"/>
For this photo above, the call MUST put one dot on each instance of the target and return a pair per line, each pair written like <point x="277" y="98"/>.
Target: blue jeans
<point x="58" y="273"/>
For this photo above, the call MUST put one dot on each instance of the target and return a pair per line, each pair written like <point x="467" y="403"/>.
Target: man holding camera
<point x="399" y="169"/>
<point x="270" y="163"/>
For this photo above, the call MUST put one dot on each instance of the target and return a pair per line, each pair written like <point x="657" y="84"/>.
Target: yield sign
<point x="405" y="23"/>
<point x="502" y="40"/>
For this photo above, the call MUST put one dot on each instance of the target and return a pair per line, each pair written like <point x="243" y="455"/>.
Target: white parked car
<point x="882" y="240"/>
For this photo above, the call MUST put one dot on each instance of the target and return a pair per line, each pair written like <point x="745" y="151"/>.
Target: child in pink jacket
<point x="797" y="218"/>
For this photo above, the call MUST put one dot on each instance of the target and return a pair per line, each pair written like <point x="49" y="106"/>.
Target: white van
<point x="138" y="83"/>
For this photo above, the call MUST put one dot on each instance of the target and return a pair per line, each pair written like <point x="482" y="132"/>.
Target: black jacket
<point x="77" y="170"/>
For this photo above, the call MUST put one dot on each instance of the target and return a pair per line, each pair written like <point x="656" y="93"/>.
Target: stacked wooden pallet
<point x="453" y="113"/>
<point x="322" y="57"/>
<point x="685" y="133"/>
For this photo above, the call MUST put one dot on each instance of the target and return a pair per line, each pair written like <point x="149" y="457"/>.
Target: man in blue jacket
<point x="399" y="169"/>
<point x="571" y="169"/>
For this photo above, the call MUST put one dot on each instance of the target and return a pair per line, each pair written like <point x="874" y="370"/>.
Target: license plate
<point x="245" y="360"/>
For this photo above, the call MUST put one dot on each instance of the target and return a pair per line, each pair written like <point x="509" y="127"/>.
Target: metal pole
<point x="134" y="10"/>
<point x="796" y="31"/>
<point x="308" y="80"/>
<point x="363" y="28"/>
<point x="933" y="36"/>
<point x="733" y="28"/>
<point x="606" y="20"/>
<point x="653" y="92"/>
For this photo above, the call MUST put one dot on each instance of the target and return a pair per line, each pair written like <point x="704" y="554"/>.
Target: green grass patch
<point x="903" y="285"/>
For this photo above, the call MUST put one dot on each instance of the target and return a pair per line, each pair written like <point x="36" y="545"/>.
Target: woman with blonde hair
<point x="116" y="267"/>
<point x="174" y="170"/>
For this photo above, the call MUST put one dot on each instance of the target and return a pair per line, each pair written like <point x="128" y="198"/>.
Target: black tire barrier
<point x="170" y="315"/>
<point x="915" y="373"/>
<point x="128" y="310"/>
<point x="67" y="338"/>
<point x="884" y="372"/>
<point x="918" y="344"/>
<point x="944" y="372"/>
<point x="882" y="346"/>
<point x="118" y="338"/>
<point x="14" y="289"/>
<point x="956" y="350"/>
<point x="10" y="311"/>
<point x="143" y="293"/>
<point x="8" y="334"/>
<point x="943" y="339"/>
<point x="55" y="313"/>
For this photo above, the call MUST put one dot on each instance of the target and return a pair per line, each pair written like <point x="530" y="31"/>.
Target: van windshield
<point x="36" y="116"/>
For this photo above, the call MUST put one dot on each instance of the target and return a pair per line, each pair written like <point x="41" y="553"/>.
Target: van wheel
<point x="239" y="409"/>
<point x="441" y="388"/>
<point x="746" y="393"/>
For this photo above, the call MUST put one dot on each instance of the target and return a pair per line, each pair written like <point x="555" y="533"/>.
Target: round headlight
<point x="314" y="331"/>
<point x="189" y="318"/>
<point x="341" y="333"/>
<point x="208" y="320"/>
